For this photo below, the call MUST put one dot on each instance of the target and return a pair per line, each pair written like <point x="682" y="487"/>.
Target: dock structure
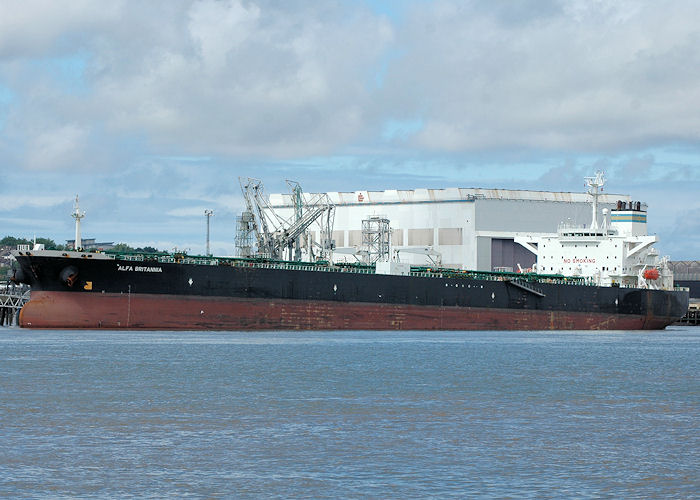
<point x="12" y="298"/>
<point x="692" y="317"/>
<point x="686" y="273"/>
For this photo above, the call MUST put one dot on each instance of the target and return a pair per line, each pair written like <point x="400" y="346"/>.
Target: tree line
<point x="49" y="244"/>
<point x="11" y="242"/>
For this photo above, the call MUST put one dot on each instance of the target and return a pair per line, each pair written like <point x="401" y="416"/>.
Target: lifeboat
<point x="651" y="274"/>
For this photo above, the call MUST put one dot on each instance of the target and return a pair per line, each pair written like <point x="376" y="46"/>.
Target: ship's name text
<point x="140" y="269"/>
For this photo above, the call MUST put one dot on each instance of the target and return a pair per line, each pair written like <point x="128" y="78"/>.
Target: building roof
<point x="397" y="196"/>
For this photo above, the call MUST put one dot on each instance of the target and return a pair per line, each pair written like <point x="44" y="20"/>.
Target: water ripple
<point x="350" y="414"/>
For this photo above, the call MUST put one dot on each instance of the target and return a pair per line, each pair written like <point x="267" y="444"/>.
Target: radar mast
<point x="594" y="185"/>
<point x="77" y="215"/>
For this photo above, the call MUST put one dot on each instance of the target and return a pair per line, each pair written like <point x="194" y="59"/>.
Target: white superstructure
<point x="615" y="251"/>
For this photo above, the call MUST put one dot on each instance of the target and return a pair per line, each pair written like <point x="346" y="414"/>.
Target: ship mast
<point x="77" y="215"/>
<point x="594" y="184"/>
<point x="208" y="214"/>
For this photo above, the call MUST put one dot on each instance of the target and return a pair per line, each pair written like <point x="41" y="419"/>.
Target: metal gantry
<point x="376" y="239"/>
<point x="12" y="298"/>
<point x="245" y="234"/>
<point x="257" y="204"/>
<point x="277" y="235"/>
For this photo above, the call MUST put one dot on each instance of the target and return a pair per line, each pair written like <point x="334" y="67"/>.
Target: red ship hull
<point x="53" y="309"/>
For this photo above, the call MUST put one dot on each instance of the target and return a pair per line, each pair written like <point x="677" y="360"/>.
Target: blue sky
<point x="152" y="110"/>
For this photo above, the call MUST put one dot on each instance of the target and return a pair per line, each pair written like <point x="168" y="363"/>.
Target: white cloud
<point x="246" y="80"/>
<point x="227" y="78"/>
<point x="220" y="28"/>
<point x="586" y="76"/>
<point x="59" y="147"/>
<point x="527" y="93"/>
<point x="35" y="28"/>
<point x="19" y="201"/>
<point x="187" y="212"/>
<point x="261" y="79"/>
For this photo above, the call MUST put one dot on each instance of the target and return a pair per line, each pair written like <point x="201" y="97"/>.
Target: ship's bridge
<point x="569" y="230"/>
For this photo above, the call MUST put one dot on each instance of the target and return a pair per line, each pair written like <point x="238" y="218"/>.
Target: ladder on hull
<point x="523" y="285"/>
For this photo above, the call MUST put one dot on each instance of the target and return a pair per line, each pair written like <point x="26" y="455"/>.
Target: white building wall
<point x="447" y="227"/>
<point x="415" y="225"/>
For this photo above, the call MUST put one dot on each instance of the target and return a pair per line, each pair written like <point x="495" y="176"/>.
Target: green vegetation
<point x="49" y="244"/>
<point x="124" y="248"/>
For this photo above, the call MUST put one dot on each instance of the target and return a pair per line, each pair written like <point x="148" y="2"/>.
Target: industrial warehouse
<point x="462" y="228"/>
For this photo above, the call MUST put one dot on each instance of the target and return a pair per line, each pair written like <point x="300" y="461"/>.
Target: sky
<point x="151" y="111"/>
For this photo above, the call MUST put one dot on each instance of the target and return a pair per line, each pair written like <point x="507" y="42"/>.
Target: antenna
<point x="208" y="214"/>
<point x="77" y="215"/>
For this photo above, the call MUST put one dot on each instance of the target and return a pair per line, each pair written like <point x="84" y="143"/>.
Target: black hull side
<point x="277" y="282"/>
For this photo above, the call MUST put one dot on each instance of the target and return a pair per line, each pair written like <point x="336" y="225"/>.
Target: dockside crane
<point x="276" y="234"/>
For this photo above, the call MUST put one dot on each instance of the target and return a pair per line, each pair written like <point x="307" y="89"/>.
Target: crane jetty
<point x="13" y="296"/>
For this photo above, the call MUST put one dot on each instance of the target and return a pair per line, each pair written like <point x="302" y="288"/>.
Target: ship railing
<point x="203" y="261"/>
<point x="423" y="272"/>
<point x="420" y="272"/>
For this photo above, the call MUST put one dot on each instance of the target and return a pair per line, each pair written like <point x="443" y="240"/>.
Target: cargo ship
<point x="601" y="277"/>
